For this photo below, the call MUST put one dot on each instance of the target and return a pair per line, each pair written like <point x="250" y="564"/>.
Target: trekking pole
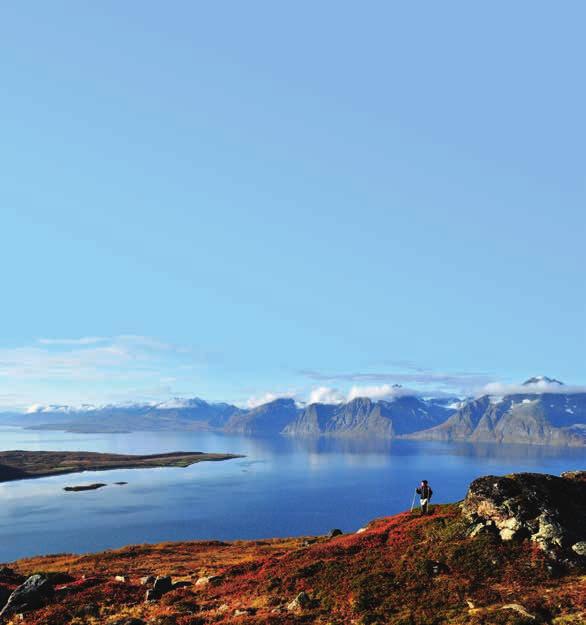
<point x="413" y="502"/>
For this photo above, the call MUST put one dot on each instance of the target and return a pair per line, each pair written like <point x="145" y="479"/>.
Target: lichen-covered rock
<point x="579" y="476"/>
<point x="580" y="548"/>
<point x="546" y="509"/>
<point x="244" y="612"/>
<point x="300" y="603"/>
<point x="28" y="596"/>
<point x="209" y="579"/>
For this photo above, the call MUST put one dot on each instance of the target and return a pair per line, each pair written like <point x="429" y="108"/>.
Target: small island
<point x="21" y="465"/>
<point x="82" y="487"/>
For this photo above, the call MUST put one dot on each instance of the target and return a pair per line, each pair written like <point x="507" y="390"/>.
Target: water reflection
<point x="283" y="486"/>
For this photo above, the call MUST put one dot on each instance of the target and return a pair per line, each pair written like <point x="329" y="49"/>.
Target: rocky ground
<point x="512" y="554"/>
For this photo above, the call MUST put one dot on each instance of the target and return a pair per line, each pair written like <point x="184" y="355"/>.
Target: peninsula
<point x="20" y="465"/>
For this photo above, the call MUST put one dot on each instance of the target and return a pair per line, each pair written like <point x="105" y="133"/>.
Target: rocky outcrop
<point x="546" y="509"/>
<point x="28" y="596"/>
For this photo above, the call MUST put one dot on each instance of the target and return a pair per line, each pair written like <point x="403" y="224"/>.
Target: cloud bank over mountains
<point x="102" y="370"/>
<point x="538" y="387"/>
<point x="91" y="369"/>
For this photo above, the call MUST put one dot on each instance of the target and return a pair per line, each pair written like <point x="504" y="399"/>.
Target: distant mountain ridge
<point x="174" y="414"/>
<point x="540" y="411"/>
<point x="363" y="416"/>
<point x="545" y="418"/>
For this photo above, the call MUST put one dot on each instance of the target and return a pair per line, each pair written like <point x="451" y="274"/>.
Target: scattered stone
<point x="163" y="583"/>
<point x="301" y="602"/>
<point x="120" y="578"/>
<point x="181" y="584"/>
<point x="335" y="532"/>
<point x="555" y="569"/>
<point x="28" y="596"/>
<point x="434" y="567"/>
<point x="89" y="609"/>
<point x="151" y="595"/>
<point x="244" y="612"/>
<point x="520" y="609"/>
<point x="223" y="608"/>
<point x="147" y="580"/>
<point x="209" y="579"/>
<point x="580" y="548"/>
<point x="362" y="529"/>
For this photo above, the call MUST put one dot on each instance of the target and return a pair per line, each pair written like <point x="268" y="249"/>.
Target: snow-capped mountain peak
<point x="542" y="380"/>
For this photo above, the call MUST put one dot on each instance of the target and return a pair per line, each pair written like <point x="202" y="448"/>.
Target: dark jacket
<point x="425" y="491"/>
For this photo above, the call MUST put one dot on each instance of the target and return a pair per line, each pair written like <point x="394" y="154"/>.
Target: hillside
<point x="513" y="554"/>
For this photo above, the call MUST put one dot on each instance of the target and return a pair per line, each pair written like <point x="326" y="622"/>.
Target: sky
<point x="239" y="201"/>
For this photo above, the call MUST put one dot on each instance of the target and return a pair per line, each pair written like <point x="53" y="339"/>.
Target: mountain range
<point x="540" y="411"/>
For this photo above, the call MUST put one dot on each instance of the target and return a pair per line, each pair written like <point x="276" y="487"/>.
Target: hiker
<point x="424" y="491"/>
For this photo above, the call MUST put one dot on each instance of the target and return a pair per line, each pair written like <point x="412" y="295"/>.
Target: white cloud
<point x="499" y="389"/>
<point x="83" y="358"/>
<point x="384" y="391"/>
<point x="325" y="395"/>
<point x="459" y="381"/>
<point x="255" y="401"/>
<point x="90" y="368"/>
<point x="84" y="340"/>
<point x="34" y="408"/>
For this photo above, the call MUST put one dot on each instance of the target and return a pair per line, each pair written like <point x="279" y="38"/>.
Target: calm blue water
<point x="283" y="487"/>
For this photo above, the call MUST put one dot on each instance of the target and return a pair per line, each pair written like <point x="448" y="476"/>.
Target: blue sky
<point x="242" y="200"/>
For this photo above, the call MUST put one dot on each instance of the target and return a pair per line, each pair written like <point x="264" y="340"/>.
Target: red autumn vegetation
<point x="402" y="570"/>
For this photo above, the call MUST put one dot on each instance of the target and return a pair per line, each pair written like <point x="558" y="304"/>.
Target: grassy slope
<point x="383" y="575"/>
